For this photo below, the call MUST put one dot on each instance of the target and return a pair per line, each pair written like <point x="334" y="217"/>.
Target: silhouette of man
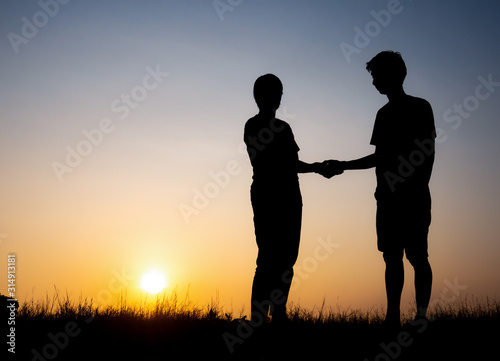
<point x="403" y="135"/>
<point x="276" y="200"/>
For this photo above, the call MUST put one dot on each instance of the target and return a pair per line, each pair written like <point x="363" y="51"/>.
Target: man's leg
<point x="394" y="280"/>
<point x="416" y="253"/>
<point x="423" y="284"/>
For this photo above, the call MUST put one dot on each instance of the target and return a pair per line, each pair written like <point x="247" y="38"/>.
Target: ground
<point x="217" y="337"/>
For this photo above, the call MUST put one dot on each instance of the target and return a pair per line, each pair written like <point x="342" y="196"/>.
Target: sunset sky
<point x="121" y="143"/>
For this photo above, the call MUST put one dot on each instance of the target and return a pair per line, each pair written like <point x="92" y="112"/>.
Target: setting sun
<point x="153" y="282"/>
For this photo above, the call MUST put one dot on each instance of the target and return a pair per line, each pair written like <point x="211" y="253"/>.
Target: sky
<point x="121" y="143"/>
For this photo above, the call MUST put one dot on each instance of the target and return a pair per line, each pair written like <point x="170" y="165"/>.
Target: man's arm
<point x="338" y="167"/>
<point x="320" y="168"/>
<point x="361" y="163"/>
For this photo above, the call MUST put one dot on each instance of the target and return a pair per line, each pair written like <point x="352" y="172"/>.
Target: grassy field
<point x="172" y="328"/>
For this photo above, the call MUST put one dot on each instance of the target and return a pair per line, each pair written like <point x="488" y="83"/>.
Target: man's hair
<point x="266" y="89"/>
<point x="389" y="63"/>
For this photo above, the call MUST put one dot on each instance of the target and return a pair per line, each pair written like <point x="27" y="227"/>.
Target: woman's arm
<point x="303" y="167"/>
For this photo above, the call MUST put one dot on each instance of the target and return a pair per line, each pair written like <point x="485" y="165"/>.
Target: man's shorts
<point x="403" y="227"/>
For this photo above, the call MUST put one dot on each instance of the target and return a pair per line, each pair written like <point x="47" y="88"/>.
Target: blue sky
<point x="123" y="198"/>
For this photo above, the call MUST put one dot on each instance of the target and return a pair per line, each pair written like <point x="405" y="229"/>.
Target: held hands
<point x="329" y="168"/>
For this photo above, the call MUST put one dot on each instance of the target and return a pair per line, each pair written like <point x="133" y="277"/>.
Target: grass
<point x="61" y="328"/>
<point x="165" y="307"/>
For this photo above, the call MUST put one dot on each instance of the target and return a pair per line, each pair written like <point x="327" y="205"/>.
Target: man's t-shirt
<point x="404" y="134"/>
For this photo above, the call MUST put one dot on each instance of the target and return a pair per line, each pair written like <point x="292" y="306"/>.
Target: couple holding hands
<point x="403" y="136"/>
